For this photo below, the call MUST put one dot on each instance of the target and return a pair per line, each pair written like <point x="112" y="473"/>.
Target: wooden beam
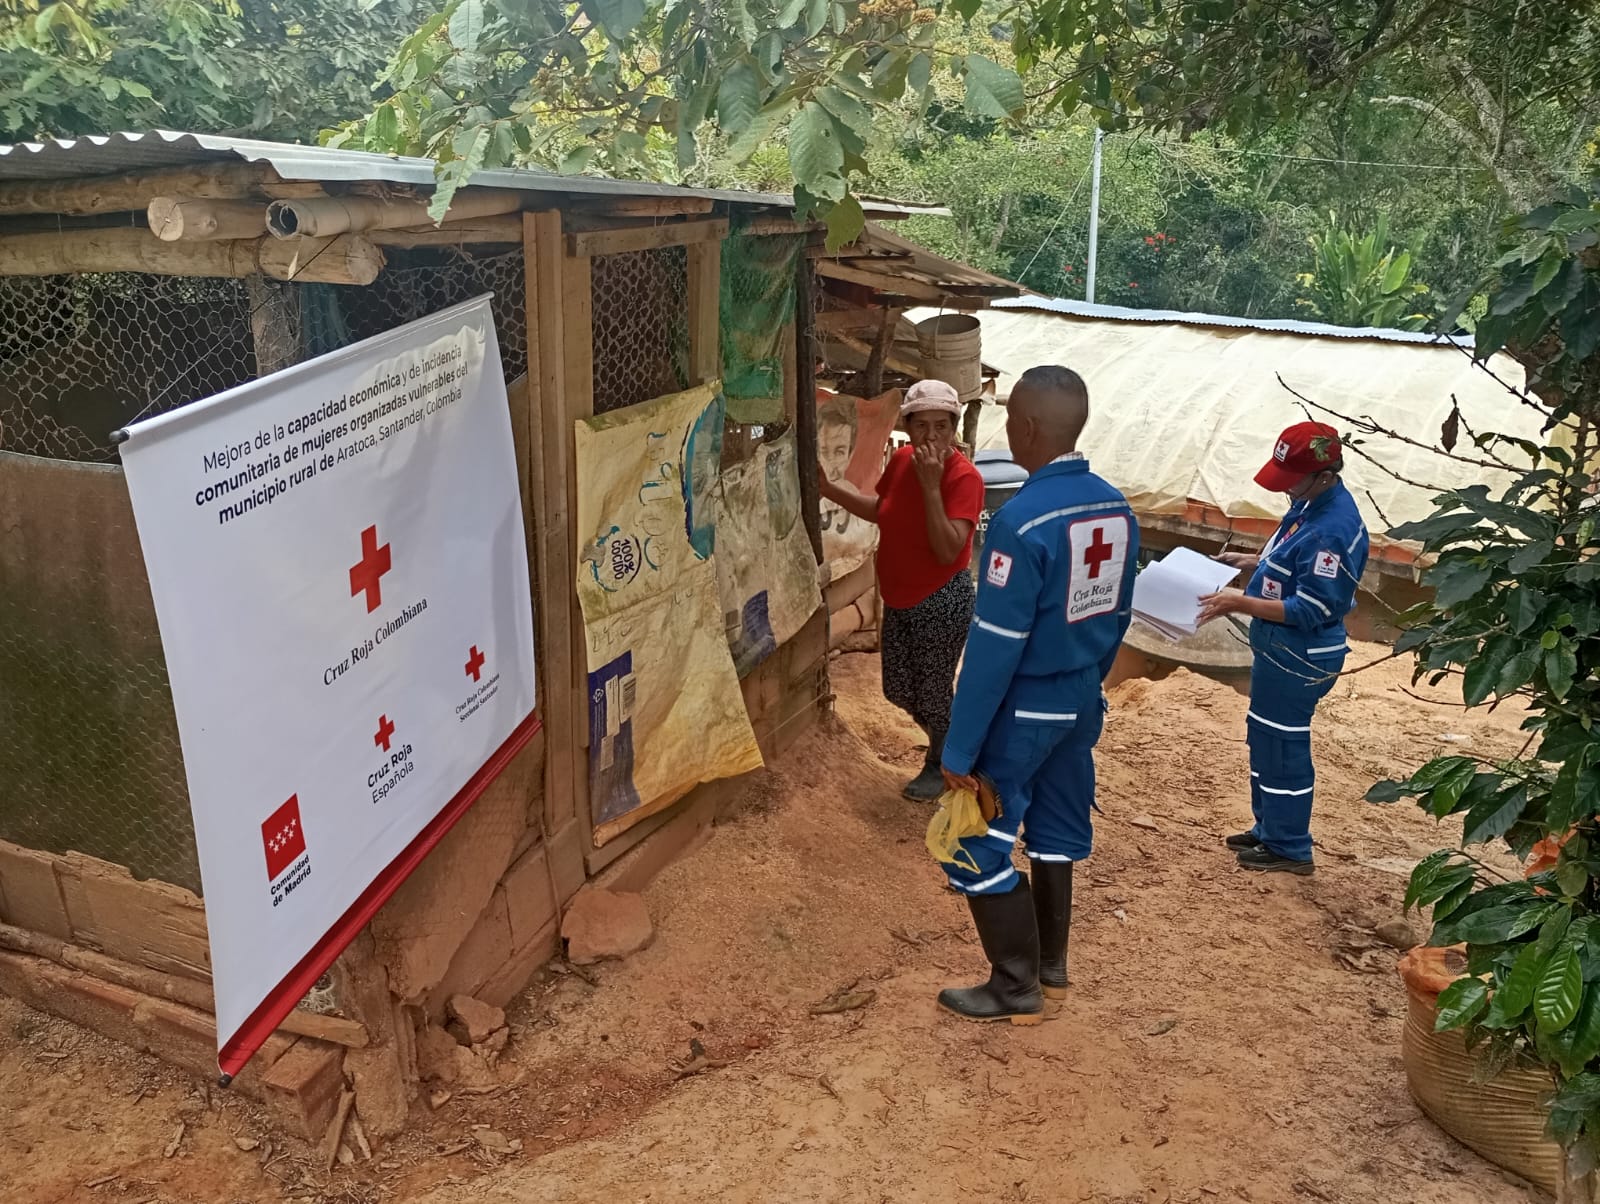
<point x="504" y="228"/>
<point x="805" y="419"/>
<point x="646" y="238"/>
<point x="705" y="312"/>
<point x="116" y="194"/>
<point x="347" y="260"/>
<point x="778" y="225"/>
<point x="891" y="359"/>
<point x="883" y="281"/>
<point x="651" y="206"/>
<point x="856" y="318"/>
<point x="325" y="216"/>
<point x="560" y="702"/>
<point x="199" y="219"/>
<point x="173" y="987"/>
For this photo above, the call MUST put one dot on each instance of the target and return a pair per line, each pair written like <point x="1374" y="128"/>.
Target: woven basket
<point x="1503" y="1119"/>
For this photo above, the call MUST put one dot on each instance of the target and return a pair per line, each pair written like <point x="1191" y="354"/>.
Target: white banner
<point x="340" y="575"/>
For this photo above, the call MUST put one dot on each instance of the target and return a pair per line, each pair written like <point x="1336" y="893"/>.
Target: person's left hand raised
<point x="1224" y="602"/>
<point x="928" y="460"/>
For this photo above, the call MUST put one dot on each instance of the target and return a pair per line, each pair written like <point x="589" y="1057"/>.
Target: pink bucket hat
<point x="931" y="395"/>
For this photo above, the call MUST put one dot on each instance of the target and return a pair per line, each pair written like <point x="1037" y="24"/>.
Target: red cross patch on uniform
<point x="999" y="569"/>
<point x="1099" y="550"/>
<point x="1271" y="588"/>
<point x="1327" y="565"/>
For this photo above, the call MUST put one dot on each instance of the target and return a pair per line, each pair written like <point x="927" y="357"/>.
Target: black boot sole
<point x="1302" y="869"/>
<point x="1024" y="1019"/>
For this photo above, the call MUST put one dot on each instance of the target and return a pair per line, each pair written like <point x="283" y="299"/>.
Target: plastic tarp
<point x="665" y="709"/>
<point x="766" y="574"/>
<point x="1182" y="411"/>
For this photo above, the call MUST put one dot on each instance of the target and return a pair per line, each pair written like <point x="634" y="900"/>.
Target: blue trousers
<point x="1290" y="674"/>
<point x="1042" y="766"/>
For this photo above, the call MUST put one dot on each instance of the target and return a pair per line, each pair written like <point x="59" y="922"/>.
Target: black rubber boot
<point x="928" y="785"/>
<point x="1052" y="907"/>
<point x="1010" y="937"/>
<point x="1264" y="860"/>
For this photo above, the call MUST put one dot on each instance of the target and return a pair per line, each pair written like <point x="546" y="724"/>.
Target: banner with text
<point x="340" y="575"/>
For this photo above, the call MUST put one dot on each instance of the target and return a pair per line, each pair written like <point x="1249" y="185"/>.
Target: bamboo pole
<point x="321" y="217"/>
<point x="350" y="259"/>
<point x="199" y="219"/>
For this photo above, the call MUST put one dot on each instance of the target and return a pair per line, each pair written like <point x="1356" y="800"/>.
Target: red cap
<point x="1303" y="449"/>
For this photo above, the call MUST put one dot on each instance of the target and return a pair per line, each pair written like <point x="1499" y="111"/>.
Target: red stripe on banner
<point x="281" y="1000"/>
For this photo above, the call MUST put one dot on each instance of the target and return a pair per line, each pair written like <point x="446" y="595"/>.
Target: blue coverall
<point x="1312" y="564"/>
<point x="1055" y="596"/>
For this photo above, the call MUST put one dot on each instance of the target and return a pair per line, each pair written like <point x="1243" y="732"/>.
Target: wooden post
<point x="805" y="387"/>
<point x="114" y="194"/>
<point x="880" y="351"/>
<point x="705" y="312"/>
<point x="275" y="323"/>
<point x="577" y="302"/>
<point x="561" y="700"/>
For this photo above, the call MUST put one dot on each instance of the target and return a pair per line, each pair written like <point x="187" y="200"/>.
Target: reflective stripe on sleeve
<point x="995" y="629"/>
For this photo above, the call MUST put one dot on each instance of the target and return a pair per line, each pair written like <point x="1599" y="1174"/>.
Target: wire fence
<point x="89" y="754"/>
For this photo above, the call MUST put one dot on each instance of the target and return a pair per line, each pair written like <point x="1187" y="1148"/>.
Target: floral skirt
<point x="920" y="648"/>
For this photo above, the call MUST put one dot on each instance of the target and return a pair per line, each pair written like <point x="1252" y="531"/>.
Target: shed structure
<point x="143" y="272"/>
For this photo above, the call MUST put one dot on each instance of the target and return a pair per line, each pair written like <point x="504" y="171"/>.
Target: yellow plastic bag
<point x="959" y="815"/>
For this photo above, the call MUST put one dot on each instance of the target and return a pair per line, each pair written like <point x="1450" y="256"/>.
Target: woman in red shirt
<point x="927" y="504"/>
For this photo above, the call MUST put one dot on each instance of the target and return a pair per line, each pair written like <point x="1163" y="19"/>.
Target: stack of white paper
<point x="1167" y="593"/>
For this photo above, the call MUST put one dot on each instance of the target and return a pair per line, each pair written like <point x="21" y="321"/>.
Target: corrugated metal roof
<point x="1118" y="313"/>
<point x="106" y="154"/>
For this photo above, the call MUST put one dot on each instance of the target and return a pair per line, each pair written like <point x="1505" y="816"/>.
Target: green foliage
<point x="1362" y="281"/>
<point x="272" y="68"/>
<point x="645" y="86"/>
<point x="1516" y="612"/>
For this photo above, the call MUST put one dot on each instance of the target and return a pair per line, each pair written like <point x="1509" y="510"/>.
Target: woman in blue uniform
<point x="1301" y="587"/>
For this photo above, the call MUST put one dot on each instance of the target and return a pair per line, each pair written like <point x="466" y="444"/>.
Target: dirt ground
<point x="1229" y="1037"/>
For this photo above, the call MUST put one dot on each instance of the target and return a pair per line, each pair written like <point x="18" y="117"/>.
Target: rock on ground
<point x="604" y="924"/>
<point x="479" y="1019"/>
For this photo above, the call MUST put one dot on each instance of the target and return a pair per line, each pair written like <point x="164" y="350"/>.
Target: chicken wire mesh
<point x="89" y="754"/>
<point x="641" y="326"/>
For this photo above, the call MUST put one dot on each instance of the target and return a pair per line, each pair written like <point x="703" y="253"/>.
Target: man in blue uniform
<point x="1055" y="596"/>
<point x="1301" y="587"/>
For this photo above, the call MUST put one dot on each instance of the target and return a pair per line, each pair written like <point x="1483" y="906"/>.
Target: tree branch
<point x="1510" y="182"/>
<point x="1368" y="426"/>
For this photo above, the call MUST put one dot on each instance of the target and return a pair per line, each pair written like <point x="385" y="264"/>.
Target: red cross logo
<point x="367" y="572"/>
<point x="282" y="838"/>
<point x="385" y="730"/>
<point x="1327" y="561"/>
<point x="1097" y="553"/>
<point x="475" y="663"/>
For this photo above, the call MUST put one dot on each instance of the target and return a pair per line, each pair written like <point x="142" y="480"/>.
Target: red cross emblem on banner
<point x="475" y="663"/>
<point x="367" y="573"/>
<point x="283" y="838"/>
<point x="385" y="731"/>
